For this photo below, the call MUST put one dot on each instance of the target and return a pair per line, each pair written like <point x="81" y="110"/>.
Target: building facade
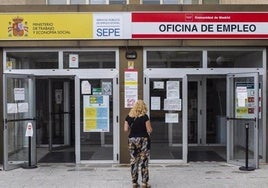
<point x="71" y="73"/>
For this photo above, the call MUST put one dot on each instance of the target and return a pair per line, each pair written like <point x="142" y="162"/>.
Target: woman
<point x="138" y="124"/>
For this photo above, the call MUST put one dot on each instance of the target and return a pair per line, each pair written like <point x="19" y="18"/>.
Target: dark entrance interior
<point x="207" y="119"/>
<point x="55" y="120"/>
<point x="209" y="154"/>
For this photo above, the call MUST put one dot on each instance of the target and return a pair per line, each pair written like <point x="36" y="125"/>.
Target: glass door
<point x="167" y="98"/>
<point x="242" y="117"/>
<point x="98" y="119"/>
<point x="60" y="111"/>
<point x="195" y="100"/>
<point x="19" y="125"/>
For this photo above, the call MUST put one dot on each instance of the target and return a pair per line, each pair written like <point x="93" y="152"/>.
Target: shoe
<point x="135" y="185"/>
<point x="145" y="185"/>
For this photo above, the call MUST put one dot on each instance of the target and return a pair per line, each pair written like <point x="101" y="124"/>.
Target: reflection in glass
<point x="97" y="2"/>
<point x="231" y="59"/>
<point x="239" y="141"/>
<point x="174" y="59"/>
<point x="33" y="60"/>
<point x="119" y="2"/>
<point x="151" y="2"/>
<point x="190" y="1"/>
<point x="78" y="2"/>
<point x="170" y="2"/>
<point x="192" y="112"/>
<point x="211" y="2"/>
<point x="57" y="2"/>
<point x="91" y="60"/>
<point x="16" y="128"/>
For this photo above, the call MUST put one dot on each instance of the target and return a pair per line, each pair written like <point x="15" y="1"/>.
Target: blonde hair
<point x="139" y="109"/>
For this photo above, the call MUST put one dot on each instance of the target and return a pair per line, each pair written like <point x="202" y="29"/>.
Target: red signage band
<point x="199" y="17"/>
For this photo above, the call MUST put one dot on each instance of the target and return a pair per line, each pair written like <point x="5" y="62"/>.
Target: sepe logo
<point x="18" y="28"/>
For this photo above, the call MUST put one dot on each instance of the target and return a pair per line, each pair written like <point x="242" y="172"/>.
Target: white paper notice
<point x="106" y="88"/>
<point x="29" y="130"/>
<point x="85" y="87"/>
<point x="172" y="118"/>
<point x="131" y="88"/>
<point x="58" y="96"/>
<point x="173" y="89"/>
<point x="23" y="107"/>
<point x="12" y="108"/>
<point x="242" y="95"/>
<point x="155" y="103"/>
<point x="172" y="104"/>
<point x="73" y="60"/>
<point x="158" y="85"/>
<point x="19" y="94"/>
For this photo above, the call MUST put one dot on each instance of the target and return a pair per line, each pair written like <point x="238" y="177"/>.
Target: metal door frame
<point x="231" y="115"/>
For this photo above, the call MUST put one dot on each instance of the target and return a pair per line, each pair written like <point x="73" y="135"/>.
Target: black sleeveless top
<point x="138" y="128"/>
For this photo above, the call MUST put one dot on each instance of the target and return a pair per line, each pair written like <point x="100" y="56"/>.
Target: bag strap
<point x="132" y="122"/>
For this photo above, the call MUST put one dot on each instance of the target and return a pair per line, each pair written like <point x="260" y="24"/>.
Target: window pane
<point x="91" y="60"/>
<point x="82" y="2"/>
<point x="210" y="1"/>
<point x="118" y="2"/>
<point x="170" y="2"/>
<point x="245" y="59"/>
<point x="97" y="2"/>
<point x="57" y="2"/>
<point x="150" y="2"/>
<point x="190" y="1"/>
<point x="174" y="59"/>
<point x="33" y="60"/>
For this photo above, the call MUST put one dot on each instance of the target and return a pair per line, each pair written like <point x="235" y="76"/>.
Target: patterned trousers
<point x="139" y="149"/>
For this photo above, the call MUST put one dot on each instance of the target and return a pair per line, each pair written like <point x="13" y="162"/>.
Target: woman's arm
<point x="126" y="126"/>
<point x="149" y="126"/>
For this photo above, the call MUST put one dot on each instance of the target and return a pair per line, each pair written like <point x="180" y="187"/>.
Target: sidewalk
<point x="192" y="175"/>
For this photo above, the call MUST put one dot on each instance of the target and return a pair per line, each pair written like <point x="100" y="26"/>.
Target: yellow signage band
<point x="23" y="26"/>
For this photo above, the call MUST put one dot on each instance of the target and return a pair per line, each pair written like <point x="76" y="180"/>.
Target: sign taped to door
<point x="244" y="99"/>
<point x="29" y="130"/>
<point x="96" y="113"/>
